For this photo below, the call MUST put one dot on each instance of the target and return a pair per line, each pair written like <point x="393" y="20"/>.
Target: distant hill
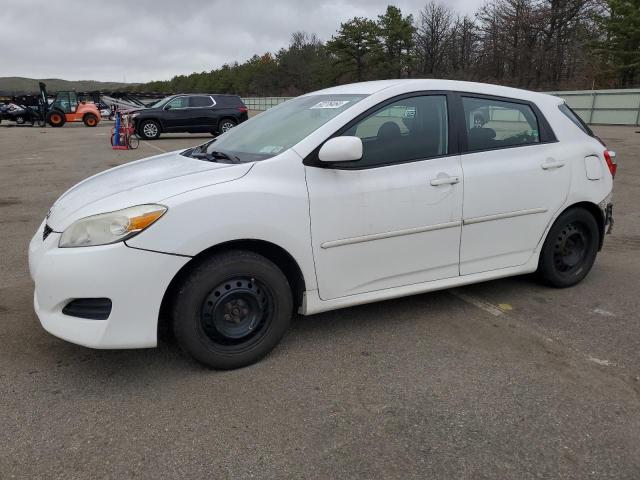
<point x="20" y="85"/>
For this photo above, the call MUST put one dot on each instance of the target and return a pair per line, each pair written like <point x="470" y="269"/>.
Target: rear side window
<point x="573" y="116"/>
<point x="200" y="101"/>
<point x="498" y="124"/>
<point x="409" y="129"/>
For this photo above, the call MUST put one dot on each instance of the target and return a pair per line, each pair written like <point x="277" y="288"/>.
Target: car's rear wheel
<point x="20" y="120"/>
<point x="226" y="124"/>
<point x="232" y="309"/>
<point x="56" y="119"/>
<point x="90" y="120"/>
<point x="570" y="249"/>
<point x="149" y="129"/>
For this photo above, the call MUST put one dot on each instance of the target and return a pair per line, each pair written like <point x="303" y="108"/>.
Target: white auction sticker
<point x="330" y="104"/>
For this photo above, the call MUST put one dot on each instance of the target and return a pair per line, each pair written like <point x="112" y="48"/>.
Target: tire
<point x="90" y="120"/>
<point x="20" y="120"/>
<point x="232" y="309"/>
<point x="56" y="119"/>
<point x="134" y="142"/>
<point x="149" y="129"/>
<point x="570" y="249"/>
<point x="226" y="124"/>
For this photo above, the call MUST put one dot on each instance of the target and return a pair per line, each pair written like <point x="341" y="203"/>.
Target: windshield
<point x="159" y="102"/>
<point x="280" y="127"/>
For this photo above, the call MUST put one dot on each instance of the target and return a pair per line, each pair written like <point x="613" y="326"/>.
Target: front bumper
<point x="134" y="280"/>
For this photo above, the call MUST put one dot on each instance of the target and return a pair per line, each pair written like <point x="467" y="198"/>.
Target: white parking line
<point x="604" y="363"/>
<point x="477" y="302"/>
<point x="154" y="146"/>
<point x="496" y="311"/>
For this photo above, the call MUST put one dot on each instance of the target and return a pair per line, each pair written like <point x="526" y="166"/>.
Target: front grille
<point x="45" y="233"/>
<point x="90" y="308"/>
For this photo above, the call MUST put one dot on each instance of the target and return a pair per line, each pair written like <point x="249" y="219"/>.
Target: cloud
<point x="146" y="40"/>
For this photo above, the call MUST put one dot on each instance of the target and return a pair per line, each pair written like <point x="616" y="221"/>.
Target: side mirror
<point x="167" y="107"/>
<point x="341" y="149"/>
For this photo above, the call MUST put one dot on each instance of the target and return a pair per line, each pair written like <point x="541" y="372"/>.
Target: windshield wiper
<point x="214" y="156"/>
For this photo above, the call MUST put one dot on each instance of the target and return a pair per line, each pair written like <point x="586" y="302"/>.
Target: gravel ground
<point x="506" y="379"/>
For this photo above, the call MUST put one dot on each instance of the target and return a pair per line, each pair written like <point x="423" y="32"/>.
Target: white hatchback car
<point x="344" y="196"/>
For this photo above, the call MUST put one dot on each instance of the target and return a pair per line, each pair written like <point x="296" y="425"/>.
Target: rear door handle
<point x="444" y="181"/>
<point x="551" y="164"/>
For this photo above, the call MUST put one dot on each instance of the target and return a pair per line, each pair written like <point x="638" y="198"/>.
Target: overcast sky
<point x="142" y="40"/>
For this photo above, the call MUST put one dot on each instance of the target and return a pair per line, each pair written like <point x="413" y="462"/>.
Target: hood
<point x="145" y="181"/>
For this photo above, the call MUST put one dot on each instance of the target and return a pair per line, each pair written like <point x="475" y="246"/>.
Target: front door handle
<point x="444" y="181"/>
<point x="551" y="164"/>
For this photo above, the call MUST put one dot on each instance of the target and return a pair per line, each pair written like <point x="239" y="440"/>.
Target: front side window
<point x="159" y="103"/>
<point x="498" y="124"/>
<point x="178" y="102"/>
<point x="409" y="129"/>
<point x="200" y="101"/>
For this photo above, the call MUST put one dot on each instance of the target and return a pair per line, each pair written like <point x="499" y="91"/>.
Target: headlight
<point x="134" y="115"/>
<point x="110" y="227"/>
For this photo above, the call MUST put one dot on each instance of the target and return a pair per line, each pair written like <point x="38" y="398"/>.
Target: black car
<point x="193" y="113"/>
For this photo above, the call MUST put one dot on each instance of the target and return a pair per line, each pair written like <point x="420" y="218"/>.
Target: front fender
<point x="270" y="204"/>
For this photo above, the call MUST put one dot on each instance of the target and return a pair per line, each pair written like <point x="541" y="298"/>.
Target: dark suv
<point x="192" y="113"/>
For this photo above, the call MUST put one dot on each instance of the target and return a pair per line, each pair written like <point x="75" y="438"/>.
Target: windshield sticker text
<point x="330" y="104"/>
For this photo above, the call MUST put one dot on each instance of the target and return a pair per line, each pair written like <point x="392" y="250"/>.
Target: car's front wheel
<point x="570" y="249"/>
<point x="226" y="124"/>
<point x="232" y="309"/>
<point x="149" y="129"/>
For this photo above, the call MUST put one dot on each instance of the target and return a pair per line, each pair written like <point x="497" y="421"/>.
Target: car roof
<point x="400" y="86"/>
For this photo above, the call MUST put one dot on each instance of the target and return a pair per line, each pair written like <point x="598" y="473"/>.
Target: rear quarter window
<point x="573" y="116"/>
<point x="228" y="101"/>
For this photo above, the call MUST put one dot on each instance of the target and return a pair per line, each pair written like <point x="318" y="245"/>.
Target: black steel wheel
<point x="570" y="248"/>
<point x="236" y="311"/>
<point x="232" y="309"/>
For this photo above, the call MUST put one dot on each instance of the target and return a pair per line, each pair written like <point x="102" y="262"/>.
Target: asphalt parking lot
<point x="506" y="380"/>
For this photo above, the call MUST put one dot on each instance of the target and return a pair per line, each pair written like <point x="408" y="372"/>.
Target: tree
<point x="538" y="44"/>
<point x="304" y="66"/>
<point x="396" y="35"/>
<point x="355" y="46"/>
<point x="434" y="35"/>
<point x="621" y="44"/>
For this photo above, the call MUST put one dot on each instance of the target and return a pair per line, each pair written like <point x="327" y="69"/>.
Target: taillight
<point x="243" y="109"/>
<point x="610" y="158"/>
